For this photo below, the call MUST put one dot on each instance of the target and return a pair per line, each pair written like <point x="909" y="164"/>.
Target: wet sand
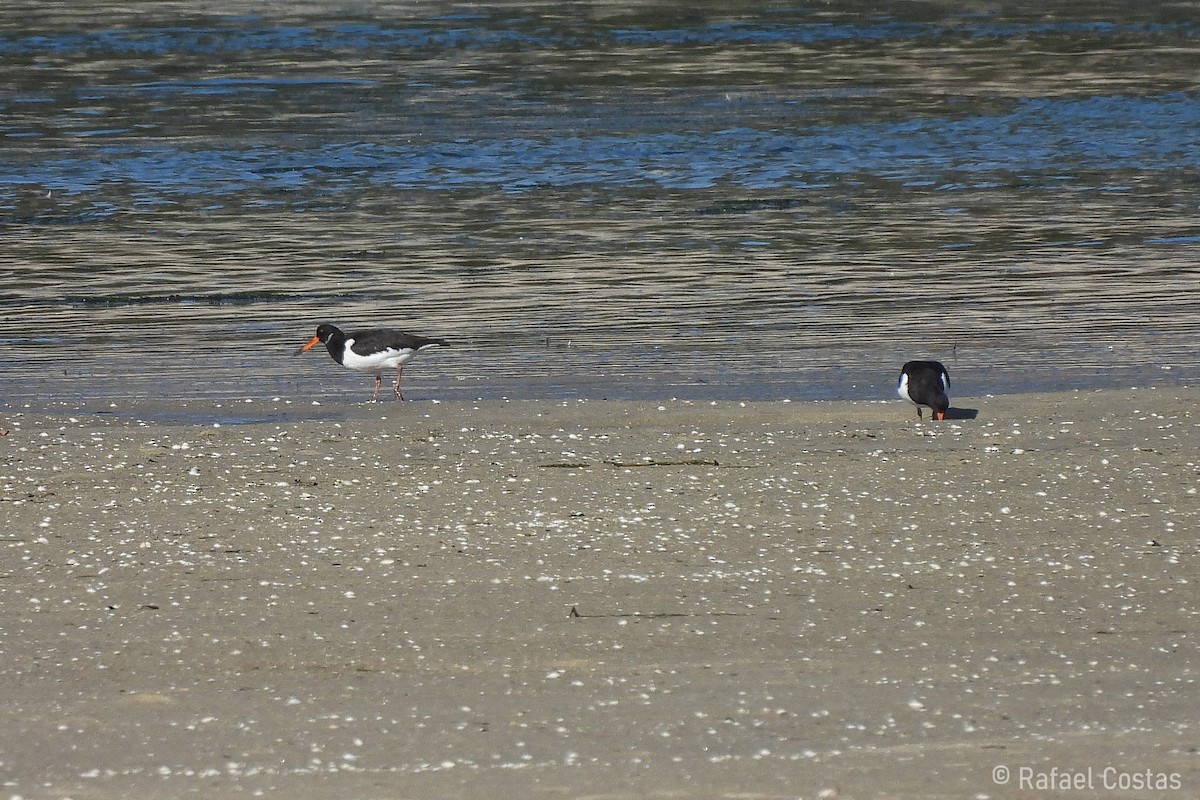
<point x="603" y="600"/>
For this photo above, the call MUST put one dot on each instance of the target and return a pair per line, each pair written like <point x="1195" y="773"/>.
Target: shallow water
<point x="742" y="200"/>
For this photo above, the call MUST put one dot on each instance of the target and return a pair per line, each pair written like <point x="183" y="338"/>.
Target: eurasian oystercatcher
<point x="924" y="383"/>
<point x="373" y="351"/>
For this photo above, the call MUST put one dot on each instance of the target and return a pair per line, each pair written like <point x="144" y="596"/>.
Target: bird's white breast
<point x="375" y="362"/>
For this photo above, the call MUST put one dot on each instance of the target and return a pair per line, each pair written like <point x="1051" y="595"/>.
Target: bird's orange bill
<point x="939" y="415"/>
<point x="313" y="342"/>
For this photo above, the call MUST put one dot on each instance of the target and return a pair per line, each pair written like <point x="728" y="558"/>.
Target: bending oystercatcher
<point x="373" y="351"/>
<point x="924" y="383"/>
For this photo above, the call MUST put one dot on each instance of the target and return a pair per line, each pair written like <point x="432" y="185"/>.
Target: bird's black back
<point x="378" y="339"/>
<point x="927" y="383"/>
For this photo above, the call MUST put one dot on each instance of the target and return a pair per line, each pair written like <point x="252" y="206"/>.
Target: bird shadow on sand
<point x="962" y="413"/>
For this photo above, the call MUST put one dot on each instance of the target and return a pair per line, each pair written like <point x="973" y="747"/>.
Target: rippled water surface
<point x="736" y="200"/>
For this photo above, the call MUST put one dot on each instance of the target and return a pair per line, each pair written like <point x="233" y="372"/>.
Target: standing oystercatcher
<point x="373" y="351"/>
<point x="924" y="383"/>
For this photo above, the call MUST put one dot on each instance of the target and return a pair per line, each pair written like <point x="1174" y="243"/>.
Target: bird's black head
<point x="326" y="331"/>
<point x="325" y="334"/>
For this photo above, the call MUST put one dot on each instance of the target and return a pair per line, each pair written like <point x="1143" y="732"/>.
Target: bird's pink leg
<point x="399" y="370"/>
<point x="378" y="383"/>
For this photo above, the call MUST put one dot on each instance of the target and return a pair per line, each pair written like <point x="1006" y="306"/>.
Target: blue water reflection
<point x="1040" y="140"/>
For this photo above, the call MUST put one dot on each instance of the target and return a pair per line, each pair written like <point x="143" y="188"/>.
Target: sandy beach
<point x="605" y="600"/>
